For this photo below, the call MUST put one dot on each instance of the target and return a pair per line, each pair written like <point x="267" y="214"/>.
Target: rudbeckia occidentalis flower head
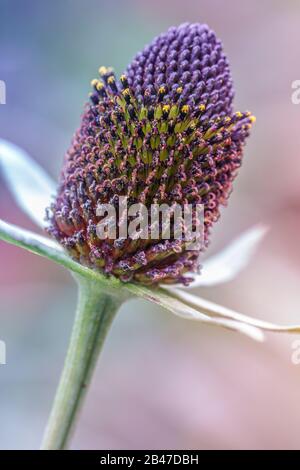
<point x="165" y="132"/>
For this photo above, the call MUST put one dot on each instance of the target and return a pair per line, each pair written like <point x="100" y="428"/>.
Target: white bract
<point x="29" y="183"/>
<point x="33" y="190"/>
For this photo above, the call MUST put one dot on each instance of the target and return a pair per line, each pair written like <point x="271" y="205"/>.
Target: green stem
<point x="95" y="312"/>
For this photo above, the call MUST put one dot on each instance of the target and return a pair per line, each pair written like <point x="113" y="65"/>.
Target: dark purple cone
<point x="166" y="133"/>
<point x="189" y="56"/>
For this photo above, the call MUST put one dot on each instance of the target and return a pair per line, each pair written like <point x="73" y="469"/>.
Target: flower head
<point x="164" y="133"/>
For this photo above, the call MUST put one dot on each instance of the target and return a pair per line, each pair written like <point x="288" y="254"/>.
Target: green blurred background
<point x="161" y="382"/>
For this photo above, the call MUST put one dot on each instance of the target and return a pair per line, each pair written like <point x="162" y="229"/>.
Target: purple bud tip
<point x="189" y="58"/>
<point x="164" y="133"/>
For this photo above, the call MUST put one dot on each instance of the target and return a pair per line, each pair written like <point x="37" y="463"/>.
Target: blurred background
<point x="161" y="382"/>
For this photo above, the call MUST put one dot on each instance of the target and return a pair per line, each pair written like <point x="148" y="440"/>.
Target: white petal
<point x="25" y="238"/>
<point x="29" y="183"/>
<point x="182" y="309"/>
<point x="252" y="332"/>
<point x="227" y="264"/>
<point x="42" y="246"/>
<point x="47" y="248"/>
<point x="218" y="311"/>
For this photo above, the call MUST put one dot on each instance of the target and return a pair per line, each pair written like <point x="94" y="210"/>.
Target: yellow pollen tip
<point x="166" y="108"/>
<point x="126" y="92"/>
<point x="123" y="78"/>
<point x="179" y="89"/>
<point x="94" y="82"/>
<point x="103" y="70"/>
<point x="161" y="90"/>
<point x="99" y="86"/>
<point x="252" y="118"/>
<point x="202" y="107"/>
<point x="185" y="109"/>
<point x="239" y="114"/>
<point x="111" y="79"/>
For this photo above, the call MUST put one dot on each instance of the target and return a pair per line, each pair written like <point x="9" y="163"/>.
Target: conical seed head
<point x="164" y="133"/>
<point x="187" y="61"/>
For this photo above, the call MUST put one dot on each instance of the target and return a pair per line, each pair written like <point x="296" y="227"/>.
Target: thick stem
<point x="95" y="312"/>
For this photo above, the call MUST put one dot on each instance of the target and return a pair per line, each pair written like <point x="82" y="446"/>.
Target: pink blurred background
<point x="161" y="382"/>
